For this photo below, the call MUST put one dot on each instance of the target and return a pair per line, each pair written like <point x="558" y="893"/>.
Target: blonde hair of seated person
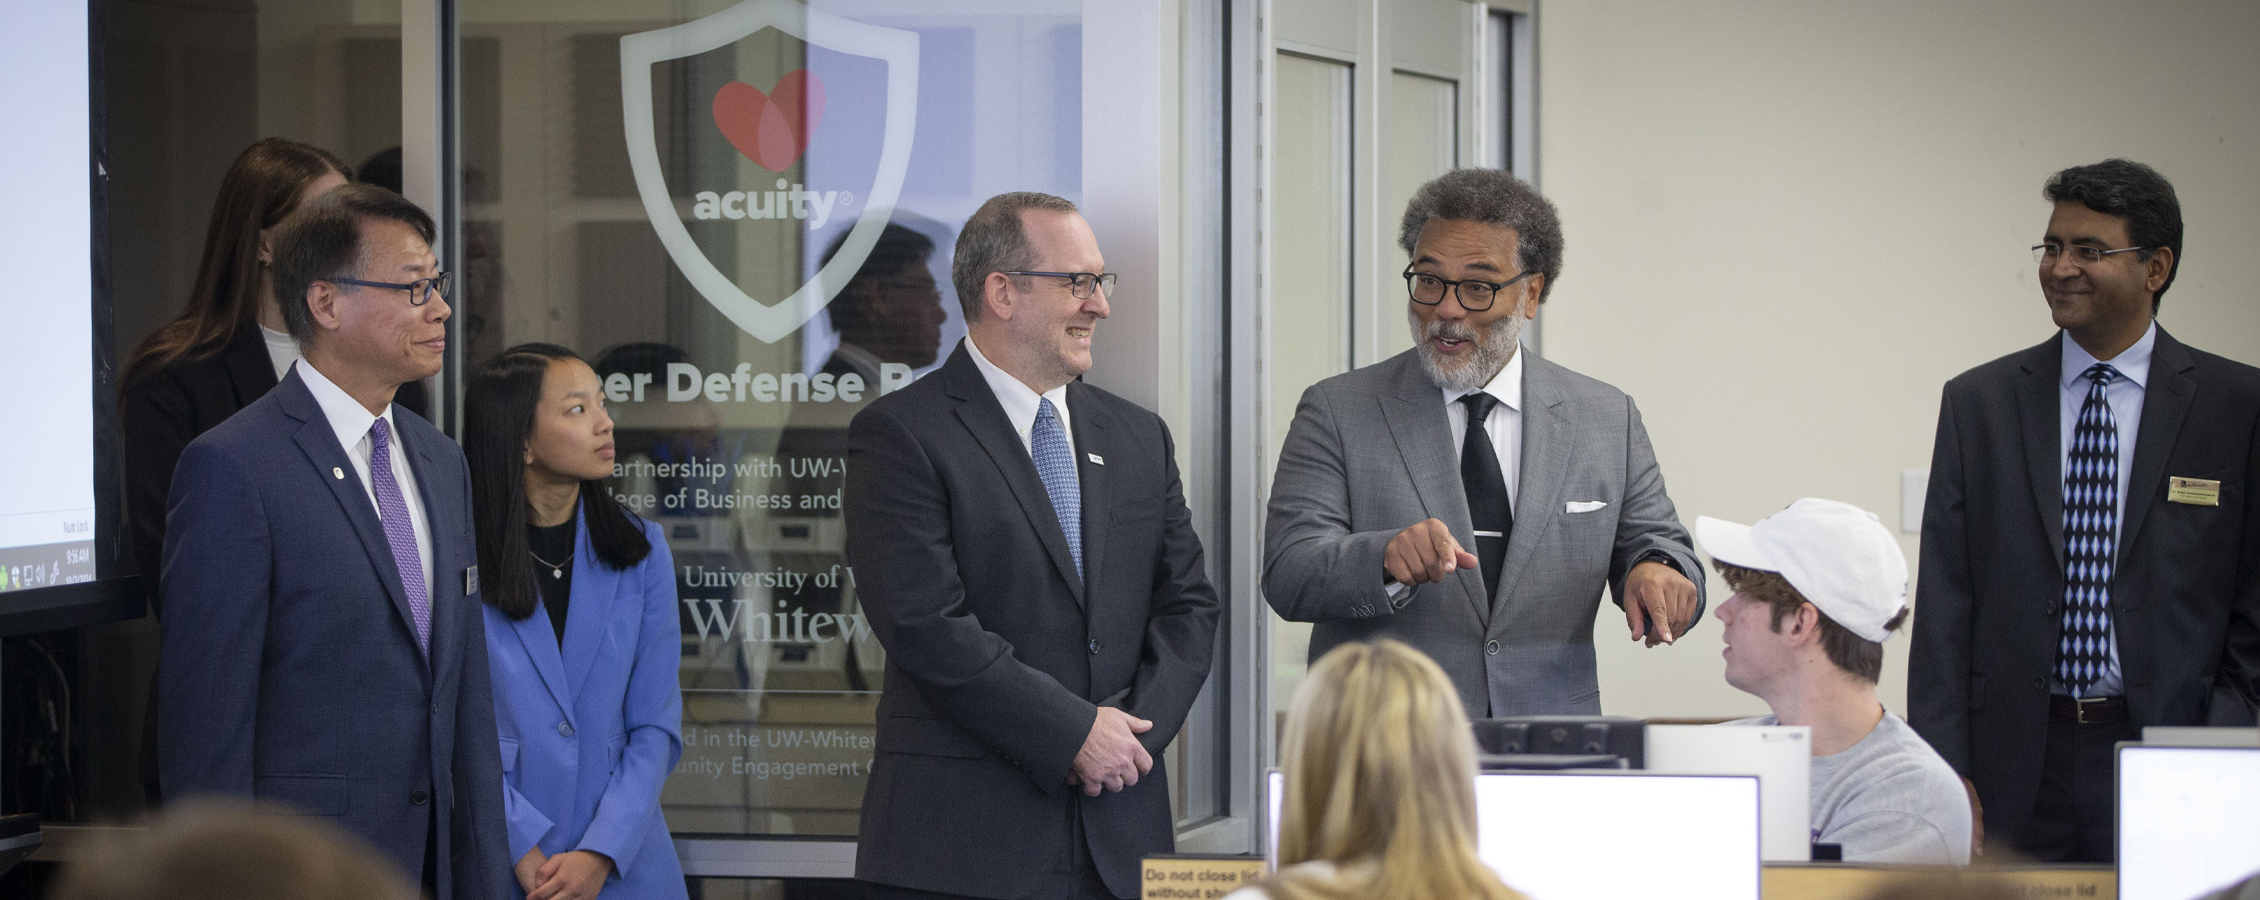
<point x="210" y="849"/>
<point x="1379" y="767"/>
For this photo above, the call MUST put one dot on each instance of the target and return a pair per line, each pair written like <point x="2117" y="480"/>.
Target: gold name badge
<point x="2193" y="491"/>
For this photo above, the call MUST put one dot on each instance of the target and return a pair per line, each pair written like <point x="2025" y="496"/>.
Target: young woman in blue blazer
<point x="582" y="634"/>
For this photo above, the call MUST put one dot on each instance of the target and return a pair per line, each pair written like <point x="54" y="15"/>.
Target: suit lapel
<point x="2039" y="413"/>
<point x="1548" y="445"/>
<point x="985" y="419"/>
<point x="1417" y="422"/>
<point x="1098" y="496"/>
<point x="540" y="640"/>
<point x="586" y="618"/>
<point x="319" y="442"/>
<point x="2165" y="403"/>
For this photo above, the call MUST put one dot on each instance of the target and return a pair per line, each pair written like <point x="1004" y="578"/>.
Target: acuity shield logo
<point x="772" y="129"/>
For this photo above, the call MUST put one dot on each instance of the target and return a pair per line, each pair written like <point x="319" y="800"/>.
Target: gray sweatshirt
<point x="1889" y="799"/>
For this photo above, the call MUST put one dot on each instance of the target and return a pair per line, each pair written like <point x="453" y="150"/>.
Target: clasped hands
<point x="1659" y="603"/>
<point x="572" y="875"/>
<point x="1111" y="758"/>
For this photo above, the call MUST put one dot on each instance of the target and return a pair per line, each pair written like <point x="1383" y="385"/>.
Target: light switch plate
<point x="1913" y="484"/>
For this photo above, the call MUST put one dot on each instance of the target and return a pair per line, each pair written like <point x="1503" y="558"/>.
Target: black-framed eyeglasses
<point x="2048" y="253"/>
<point x="1474" y="296"/>
<point x="419" y="291"/>
<point x="1080" y="284"/>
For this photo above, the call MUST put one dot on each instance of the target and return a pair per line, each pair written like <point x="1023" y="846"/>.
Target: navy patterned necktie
<point x="2091" y="500"/>
<point x="1055" y="464"/>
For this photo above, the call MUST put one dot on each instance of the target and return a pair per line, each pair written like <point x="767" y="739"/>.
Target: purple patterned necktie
<point x="400" y="533"/>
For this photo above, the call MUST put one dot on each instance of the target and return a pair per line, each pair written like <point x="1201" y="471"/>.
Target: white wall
<point x="1789" y="224"/>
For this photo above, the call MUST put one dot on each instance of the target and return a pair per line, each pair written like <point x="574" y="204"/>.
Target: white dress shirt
<point x="1503" y="426"/>
<point x="353" y="425"/>
<point x="1020" y="402"/>
<point x="2124" y="394"/>
<point x="282" y="350"/>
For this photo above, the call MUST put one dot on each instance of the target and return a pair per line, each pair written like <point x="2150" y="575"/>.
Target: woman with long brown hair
<point x="228" y="347"/>
<point x="1379" y="767"/>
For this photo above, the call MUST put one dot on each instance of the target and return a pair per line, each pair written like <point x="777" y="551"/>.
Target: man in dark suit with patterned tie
<point x="1022" y="547"/>
<point x="2091" y="547"/>
<point x="322" y="644"/>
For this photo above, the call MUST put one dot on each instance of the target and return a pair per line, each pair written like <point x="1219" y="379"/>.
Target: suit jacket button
<point x="2041" y="682"/>
<point x="1491" y="648"/>
<point x="2052" y="608"/>
<point x="565" y="729"/>
<point x="1094" y="646"/>
<point x="418" y="797"/>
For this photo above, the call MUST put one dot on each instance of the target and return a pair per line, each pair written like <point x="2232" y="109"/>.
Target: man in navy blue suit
<point x="323" y="647"/>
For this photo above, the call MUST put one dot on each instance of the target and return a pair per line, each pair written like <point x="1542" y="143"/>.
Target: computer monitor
<point x="1780" y="755"/>
<point x="2187" y="825"/>
<point x="1563" y="835"/>
<point x="2200" y="736"/>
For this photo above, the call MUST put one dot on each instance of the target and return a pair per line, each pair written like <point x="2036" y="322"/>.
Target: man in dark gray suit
<point x="2091" y="548"/>
<point x="323" y="646"/>
<point x="1487" y="545"/>
<point x="1022" y="546"/>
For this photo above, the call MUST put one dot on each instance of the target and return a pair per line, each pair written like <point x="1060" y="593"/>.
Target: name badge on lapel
<point x="470" y="581"/>
<point x="2193" y="491"/>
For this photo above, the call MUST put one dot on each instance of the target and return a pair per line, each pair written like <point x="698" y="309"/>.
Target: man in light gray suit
<point x="1486" y="546"/>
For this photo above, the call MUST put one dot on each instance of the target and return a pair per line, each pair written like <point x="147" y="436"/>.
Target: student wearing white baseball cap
<point x="1818" y="588"/>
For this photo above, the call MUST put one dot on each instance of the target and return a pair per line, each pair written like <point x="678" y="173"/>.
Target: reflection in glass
<point x="768" y="149"/>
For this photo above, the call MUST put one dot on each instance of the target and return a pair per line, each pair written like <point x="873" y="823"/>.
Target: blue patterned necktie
<point x="400" y="533"/>
<point x="2091" y="500"/>
<point x="1055" y="464"/>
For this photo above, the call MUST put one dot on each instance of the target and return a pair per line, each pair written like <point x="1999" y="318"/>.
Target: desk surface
<point x="1168" y="877"/>
<point x="1833" y="881"/>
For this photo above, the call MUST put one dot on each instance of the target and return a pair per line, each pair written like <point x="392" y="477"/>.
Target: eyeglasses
<point x="419" y="291"/>
<point x="2046" y="253"/>
<point x="1080" y="284"/>
<point x="1474" y="296"/>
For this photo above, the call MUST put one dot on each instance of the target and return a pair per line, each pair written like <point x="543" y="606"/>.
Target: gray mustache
<point x="1450" y="330"/>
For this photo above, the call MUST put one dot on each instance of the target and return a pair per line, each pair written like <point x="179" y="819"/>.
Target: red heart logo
<point x="771" y="129"/>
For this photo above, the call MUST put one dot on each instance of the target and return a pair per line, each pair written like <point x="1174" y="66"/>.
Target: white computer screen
<point x="46" y="249"/>
<point x="2189" y="820"/>
<point x="1611" y="835"/>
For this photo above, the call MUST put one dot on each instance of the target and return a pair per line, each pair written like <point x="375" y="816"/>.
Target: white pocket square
<point x="1585" y="506"/>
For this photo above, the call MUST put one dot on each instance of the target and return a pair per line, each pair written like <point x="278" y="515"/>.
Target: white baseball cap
<point x="1841" y="557"/>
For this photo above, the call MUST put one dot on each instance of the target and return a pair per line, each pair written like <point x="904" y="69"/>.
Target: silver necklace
<point x="555" y="570"/>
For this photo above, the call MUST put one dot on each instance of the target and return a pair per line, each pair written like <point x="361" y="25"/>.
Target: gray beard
<point x="1492" y="351"/>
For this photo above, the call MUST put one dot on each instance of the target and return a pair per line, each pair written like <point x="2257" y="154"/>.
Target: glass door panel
<point x="1311" y="273"/>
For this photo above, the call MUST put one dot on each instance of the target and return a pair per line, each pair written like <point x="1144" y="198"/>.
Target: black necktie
<point x="1487" y="506"/>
